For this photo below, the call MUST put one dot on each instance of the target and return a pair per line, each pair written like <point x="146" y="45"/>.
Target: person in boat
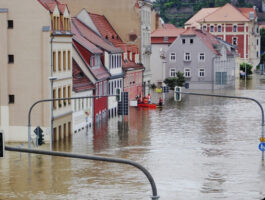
<point x="160" y="103"/>
<point x="149" y="98"/>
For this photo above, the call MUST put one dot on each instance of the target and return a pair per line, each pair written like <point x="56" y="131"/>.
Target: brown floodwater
<point x="199" y="148"/>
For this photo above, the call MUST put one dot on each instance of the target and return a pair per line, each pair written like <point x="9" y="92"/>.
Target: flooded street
<point x="199" y="148"/>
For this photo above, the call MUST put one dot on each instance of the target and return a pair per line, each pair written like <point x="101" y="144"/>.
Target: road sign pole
<point x="262" y="136"/>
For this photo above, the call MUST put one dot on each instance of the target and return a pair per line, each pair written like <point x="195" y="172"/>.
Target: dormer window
<point x="66" y="24"/>
<point x="107" y="37"/>
<point x="95" y="61"/>
<point x="56" y="23"/>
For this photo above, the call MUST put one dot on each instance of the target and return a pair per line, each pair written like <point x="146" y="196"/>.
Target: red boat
<point x="146" y="105"/>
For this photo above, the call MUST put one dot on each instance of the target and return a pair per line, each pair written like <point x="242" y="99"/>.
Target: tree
<point x="248" y="67"/>
<point x="179" y="80"/>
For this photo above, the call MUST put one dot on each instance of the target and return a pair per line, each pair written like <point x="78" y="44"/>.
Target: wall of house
<point x="157" y="63"/>
<point x="194" y="65"/>
<point x="27" y="77"/>
<point x="100" y="104"/>
<point x="133" y="83"/>
<point x="82" y="111"/>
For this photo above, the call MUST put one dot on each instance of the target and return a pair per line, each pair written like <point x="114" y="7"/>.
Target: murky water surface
<point x="200" y="148"/>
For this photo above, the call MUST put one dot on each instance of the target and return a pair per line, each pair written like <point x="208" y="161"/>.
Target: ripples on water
<point x="200" y="148"/>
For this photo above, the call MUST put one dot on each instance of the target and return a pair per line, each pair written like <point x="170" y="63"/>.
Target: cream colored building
<point x="31" y="34"/>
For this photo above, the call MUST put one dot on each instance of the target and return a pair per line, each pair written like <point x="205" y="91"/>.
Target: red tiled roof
<point x="81" y="40"/>
<point x="100" y="72"/>
<point x="80" y="81"/>
<point x="93" y="37"/>
<point x="208" y="39"/>
<point x="48" y="4"/>
<point x="167" y="31"/>
<point x="104" y="27"/>
<point x="107" y="31"/>
<point x="131" y="65"/>
<point x="246" y="11"/>
<point x="168" y="26"/>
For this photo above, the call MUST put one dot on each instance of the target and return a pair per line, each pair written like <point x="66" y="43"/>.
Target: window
<point x="201" y="72"/>
<point x="234" y="42"/>
<point x="172" y="72"/>
<point x="69" y="94"/>
<point x="187" y="72"/>
<point x="172" y="56"/>
<point x="257" y="42"/>
<point x="211" y="28"/>
<point x="205" y="28"/>
<point x="54" y="97"/>
<point x="165" y="39"/>
<point x="54" y="61"/>
<point x="257" y="54"/>
<point x="235" y="28"/>
<point x="191" y="41"/>
<point x="69" y="60"/>
<point x="219" y="28"/>
<point x="201" y="57"/>
<point x="187" y="57"/>
<point x="60" y="96"/>
<point x="10" y="24"/>
<point x="59" y="61"/>
<point x="257" y="29"/>
<point x="64" y="60"/>
<point x="11" y="99"/>
<point x="220" y="78"/>
<point x="64" y="96"/>
<point x="10" y="59"/>
<point x="183" y="41"/>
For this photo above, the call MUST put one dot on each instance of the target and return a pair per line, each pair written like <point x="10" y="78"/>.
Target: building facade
<point x="206" y="61"/>
<point x="90" y="58"/>
<point x="112" y="58"/>
<point x="161" y="39"/>
<point x="29" y="57"/>
<point x="237" y="26"/>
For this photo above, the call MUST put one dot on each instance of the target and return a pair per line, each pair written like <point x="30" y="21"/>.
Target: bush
<point x="179" y="80"/>
<point x="248" y="66"/>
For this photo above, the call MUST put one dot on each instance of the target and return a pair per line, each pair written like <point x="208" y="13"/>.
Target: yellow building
<point x="35" y="45"/>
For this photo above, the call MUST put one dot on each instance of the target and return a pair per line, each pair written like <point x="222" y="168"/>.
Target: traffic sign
<point x="262" y="146"/>
<point x="262" y="139"/>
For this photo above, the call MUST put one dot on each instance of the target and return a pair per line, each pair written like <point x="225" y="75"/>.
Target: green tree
<point x="248" y="68"/>
<point x="179" y="80"/>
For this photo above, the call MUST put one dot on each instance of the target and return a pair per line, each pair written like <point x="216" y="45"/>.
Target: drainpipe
<point x="51" y="93"/>
<point x="213" y="73"/>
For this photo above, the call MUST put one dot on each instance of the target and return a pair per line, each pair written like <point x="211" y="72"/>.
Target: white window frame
<point x="200" y="72"/>
<point x="212" y="28"/>
<point x="233" y="40"/>
<point x="172" y="72"/>
<point x="202" y="54"/>
<point x="187" y="55"/>
<point x="204" y="27"/>
<point x="219" y="26"/>
<point x="187" y="72"/>
<point x="172" y="54"/>
<point x="234" y="28"/>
